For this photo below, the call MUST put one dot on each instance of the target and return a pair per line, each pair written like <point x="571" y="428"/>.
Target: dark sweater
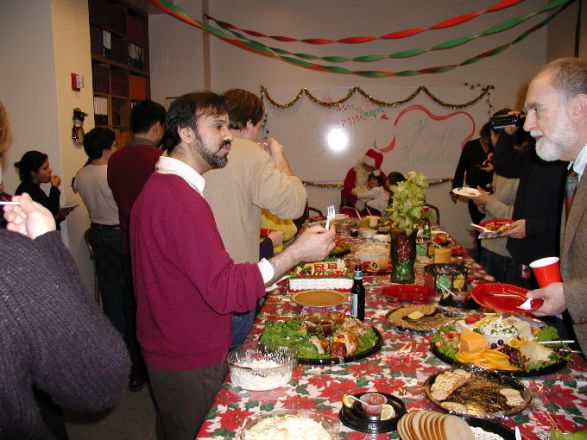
<point x="539" y="199"/>
<point x="128" y="170"/>
<point x="52" y="336"/>
<point x="468" y="169"/>
<point x="51" y="202"/>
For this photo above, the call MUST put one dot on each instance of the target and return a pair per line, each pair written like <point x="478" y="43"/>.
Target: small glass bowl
<point x="255" y="368"/>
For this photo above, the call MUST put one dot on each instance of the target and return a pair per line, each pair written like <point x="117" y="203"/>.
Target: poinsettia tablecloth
<point x="400" y="368"/>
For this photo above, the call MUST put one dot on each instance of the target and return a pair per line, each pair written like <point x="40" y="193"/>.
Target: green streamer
<point x="449" y="44"/>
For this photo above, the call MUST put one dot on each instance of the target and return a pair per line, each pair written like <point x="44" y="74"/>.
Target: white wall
<point x="42" y="43"/>
<point x="234" y="67"/>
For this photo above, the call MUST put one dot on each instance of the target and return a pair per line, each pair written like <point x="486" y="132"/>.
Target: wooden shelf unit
<point x="119" y="34"/>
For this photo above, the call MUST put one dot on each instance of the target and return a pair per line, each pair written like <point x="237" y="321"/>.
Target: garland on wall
<point x="431" y="182"/>
<point x="485" y="92"/>
<point x="259" y="48"/>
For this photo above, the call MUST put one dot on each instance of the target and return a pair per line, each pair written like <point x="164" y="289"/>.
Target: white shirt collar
<point x="169" y="165"/>
<point x="580" y="162"/>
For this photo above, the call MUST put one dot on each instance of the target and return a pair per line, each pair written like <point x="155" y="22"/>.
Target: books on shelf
<point x="100" y="78"/>
<point x="137" y="87"/>
<point x="136" y="56"/>
<point x="119" y="82"/>
<point x="100" y="110"/>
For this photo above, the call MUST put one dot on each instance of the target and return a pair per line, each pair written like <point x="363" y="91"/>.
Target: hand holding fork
<point x="330" y="214"/>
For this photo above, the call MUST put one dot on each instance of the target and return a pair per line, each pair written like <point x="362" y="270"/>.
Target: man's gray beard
<point x="548" y="151"/>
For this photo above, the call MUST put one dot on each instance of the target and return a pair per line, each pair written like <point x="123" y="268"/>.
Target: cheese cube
<point x="472" y="341"/>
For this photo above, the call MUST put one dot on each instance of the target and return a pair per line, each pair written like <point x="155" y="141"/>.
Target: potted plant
<point x="405" y="213"/>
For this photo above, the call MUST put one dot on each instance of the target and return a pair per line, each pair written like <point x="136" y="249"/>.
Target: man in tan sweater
<point x="253" y="180"/>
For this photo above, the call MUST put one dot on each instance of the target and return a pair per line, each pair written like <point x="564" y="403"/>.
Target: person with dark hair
<point x="33" y="170"/>
<point x="474" y="169"/>
<point x="494" y="256"/>
<point x="376" y="196"/>
<point x="128" y="170"/>
<point x="57" y="349"/>
<point x="104" y="236"/>
<point x="186" y="284"/>
<point x="255" y="179"/>
<point x="147" y="116"/>
<point x="395" y="177"/>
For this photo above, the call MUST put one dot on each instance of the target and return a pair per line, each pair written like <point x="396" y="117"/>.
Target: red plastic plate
<point x="503" y="297"/>
<point x="408" y="292"/>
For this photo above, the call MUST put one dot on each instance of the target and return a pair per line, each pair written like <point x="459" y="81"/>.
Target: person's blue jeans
<point x="105" y="241"/>
<point x="241" y="326"/>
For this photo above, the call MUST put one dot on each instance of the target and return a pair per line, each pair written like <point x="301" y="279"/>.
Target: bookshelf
<point x="119" y="37"/>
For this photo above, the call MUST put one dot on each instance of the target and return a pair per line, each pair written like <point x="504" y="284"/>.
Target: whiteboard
<point x="420" y="135"/>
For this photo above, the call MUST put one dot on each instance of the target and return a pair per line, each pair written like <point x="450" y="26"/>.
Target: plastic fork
<point x="482" y="228"/>
<point x="330" y="213"/>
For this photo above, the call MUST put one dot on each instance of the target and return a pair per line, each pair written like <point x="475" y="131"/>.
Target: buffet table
<point x="400" y="368"/>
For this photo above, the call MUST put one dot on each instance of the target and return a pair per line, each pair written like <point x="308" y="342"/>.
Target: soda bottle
<point x="358" y="295"/>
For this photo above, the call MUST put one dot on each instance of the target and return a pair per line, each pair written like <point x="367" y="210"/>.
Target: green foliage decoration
<point x="409" y="197"/>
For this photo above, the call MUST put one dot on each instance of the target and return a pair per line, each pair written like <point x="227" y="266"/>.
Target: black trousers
<point x="183" y="399"/>
<point x="138" y="369"/>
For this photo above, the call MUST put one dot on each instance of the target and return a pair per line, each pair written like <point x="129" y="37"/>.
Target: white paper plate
<point x="467" y="193"/>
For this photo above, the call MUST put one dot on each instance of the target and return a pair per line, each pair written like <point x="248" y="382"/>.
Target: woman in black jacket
<point x="34" y="169"/>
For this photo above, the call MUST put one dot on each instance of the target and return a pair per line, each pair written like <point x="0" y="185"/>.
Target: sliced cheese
<point x="472" y="341"/>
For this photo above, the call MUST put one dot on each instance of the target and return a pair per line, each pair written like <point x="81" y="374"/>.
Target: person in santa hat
<point x="357" y="178"/>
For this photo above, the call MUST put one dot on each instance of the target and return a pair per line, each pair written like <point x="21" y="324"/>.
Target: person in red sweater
<point x="128" y="170"/>
<point x="186" y="284"/>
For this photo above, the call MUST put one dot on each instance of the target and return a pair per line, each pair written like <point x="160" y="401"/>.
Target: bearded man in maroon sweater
<point x="186" y="284"/>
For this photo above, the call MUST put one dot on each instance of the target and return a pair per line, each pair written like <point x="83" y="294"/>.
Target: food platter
<point x="354" y="417"/>
<point x="315" y="426"/>
<point x="466" y="192"/>
<point x="319" y="298"/>
<point x="469" y="391"/>
<point x="420" y="318"/>
<point x="323" y="344"/>
<point x="503" y="297"/>
<point x="409" y="293"/>
<point x="373" y="257"/>
<point x="505" y="344"/>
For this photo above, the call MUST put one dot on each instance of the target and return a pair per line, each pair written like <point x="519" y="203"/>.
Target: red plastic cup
<point x="546" y="270"/>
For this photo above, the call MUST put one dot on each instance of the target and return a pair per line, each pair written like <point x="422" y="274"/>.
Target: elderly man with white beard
<point x="556" y="107"/>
